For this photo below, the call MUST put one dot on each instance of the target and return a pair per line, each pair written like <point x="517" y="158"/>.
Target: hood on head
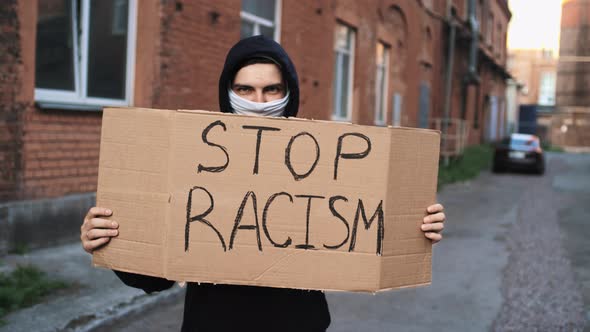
<point x="254" y="47"/>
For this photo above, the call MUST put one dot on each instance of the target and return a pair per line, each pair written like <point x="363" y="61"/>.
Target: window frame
<point x="337" y="84"/>
<point x="490" y="30"/>
<point x="381" y="105"/>
<point x="258" y="21"/>
<point x="79" y="99"/>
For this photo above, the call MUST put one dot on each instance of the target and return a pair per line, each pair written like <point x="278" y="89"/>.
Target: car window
<point x="524" y="143"/>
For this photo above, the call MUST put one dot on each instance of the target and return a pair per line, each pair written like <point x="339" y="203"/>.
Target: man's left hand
<point x="433" y="223"/>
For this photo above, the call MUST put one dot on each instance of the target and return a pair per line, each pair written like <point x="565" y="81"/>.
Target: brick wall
<point x="189" y="63"/>
<point x="308" y="36"/>
<point x="60" y="152"/>
<point x="312" y="56"/>
<point x="58" y="149"/>
<point x="181" y="46"/>
<point x="573" y="76"/>
<point x="195" y="37"/>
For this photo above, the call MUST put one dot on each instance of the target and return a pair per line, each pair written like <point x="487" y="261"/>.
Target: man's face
<point x="259" y="82"/>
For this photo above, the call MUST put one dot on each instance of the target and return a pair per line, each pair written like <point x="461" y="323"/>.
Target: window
<point x="261" y="17"/>
<point x="477" y="107"/>
<point x="505" y="44"/>
<point x="119" y="24"/>
<point x="498" y="40"/>
<point x="397" y="110"/>
<point x="343" y="72"/>
<point x="85" y="53"/>
<point x="381" y="81"/>
<point x="479" y="11"/>
<point x="547" y="89"/>
<point x="490" y="29"/>
<point x="547" y="54"/>
<point x="424" y="105"/>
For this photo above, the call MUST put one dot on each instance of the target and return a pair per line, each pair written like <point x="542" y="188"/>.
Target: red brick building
<point x="382" y="62"/>
<point x="570" y="127"/>
<point x="574" y="56"/>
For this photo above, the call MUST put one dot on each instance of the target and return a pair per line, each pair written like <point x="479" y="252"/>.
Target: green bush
<point x="551" y="148"/>
<point x="474" y="159"/>
<point x="20" y="249"/>
<point x="25" y="286"/>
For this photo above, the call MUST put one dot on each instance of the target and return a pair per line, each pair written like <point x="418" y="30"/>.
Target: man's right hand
<point x="96" y="231"/>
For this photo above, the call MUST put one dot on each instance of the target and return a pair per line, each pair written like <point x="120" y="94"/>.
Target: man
<point x="258" y="78"/>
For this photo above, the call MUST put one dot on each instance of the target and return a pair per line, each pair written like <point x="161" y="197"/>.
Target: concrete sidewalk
<point x="96" y="296"/>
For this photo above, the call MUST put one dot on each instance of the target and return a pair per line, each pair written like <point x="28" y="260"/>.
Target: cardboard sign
<point x="220" y="198"/>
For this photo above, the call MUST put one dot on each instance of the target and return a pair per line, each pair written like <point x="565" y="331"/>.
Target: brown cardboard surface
<point x="194" y="204"/>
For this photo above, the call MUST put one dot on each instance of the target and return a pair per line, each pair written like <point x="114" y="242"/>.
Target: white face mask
<point x="246" y="107"/>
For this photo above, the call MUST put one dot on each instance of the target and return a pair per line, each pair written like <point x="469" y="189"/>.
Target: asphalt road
<point x="515" y="258"/>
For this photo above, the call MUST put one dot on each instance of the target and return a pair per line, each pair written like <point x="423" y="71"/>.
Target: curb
<point x="120" y="311"/>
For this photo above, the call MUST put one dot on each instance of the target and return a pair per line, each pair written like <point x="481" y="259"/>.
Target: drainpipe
<point x="448" y="78"/>
<point x="471" y="77"/>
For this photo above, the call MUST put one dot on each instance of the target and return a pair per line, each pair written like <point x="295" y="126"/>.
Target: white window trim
<point x="349" y="52"/>
<point x="260" y="21"/>
<point x="384" y="93"/>
<point x="278" y="15"/>
<point x="73" y="99"/>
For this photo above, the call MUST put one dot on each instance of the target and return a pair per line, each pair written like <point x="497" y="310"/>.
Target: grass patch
<point x="23" y="287"/>
<point x="474" y="159"/>
<point x="20" y="249"/>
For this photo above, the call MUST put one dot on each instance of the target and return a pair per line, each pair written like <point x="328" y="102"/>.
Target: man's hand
<point x="433" y="223"/>
<point x="96" y="231"/>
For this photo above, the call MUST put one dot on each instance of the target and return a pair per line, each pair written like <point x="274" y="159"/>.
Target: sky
<point x="534" y="24"/>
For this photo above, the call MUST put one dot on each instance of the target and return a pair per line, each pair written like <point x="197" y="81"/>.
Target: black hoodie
<point x="259" y="47"/>
<point x="223" y="308"/>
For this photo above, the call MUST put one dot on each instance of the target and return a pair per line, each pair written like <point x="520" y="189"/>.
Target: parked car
<point x="519" y="152"/>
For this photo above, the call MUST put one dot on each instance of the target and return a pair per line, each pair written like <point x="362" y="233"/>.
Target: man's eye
<point x="243" y="89"/>
<point x="274" y="89"/>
